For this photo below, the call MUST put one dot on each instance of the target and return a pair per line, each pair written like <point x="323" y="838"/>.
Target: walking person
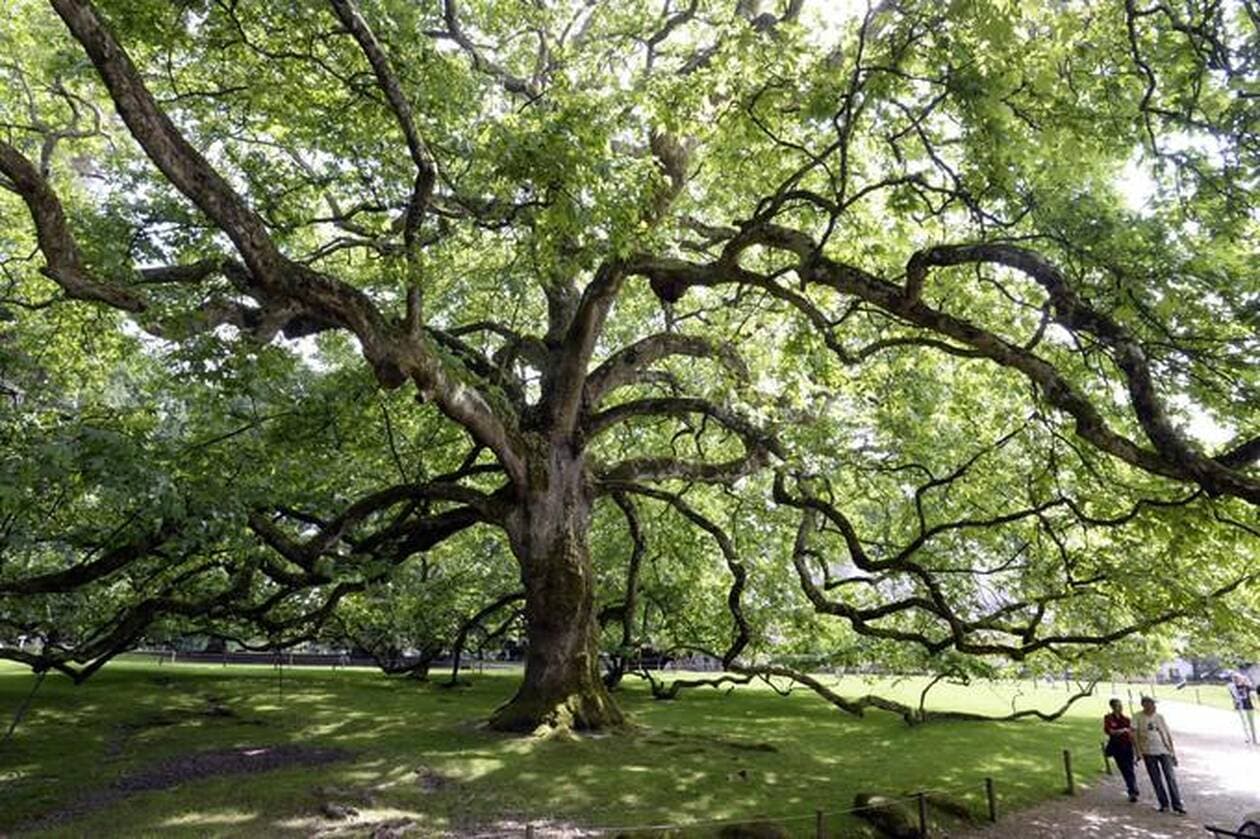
<point x="1240" y="690"/>
<point x="1155" y="744"/>
<point x="1119" y="731"/>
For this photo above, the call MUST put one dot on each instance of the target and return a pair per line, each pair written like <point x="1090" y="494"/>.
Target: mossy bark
<point x="562" y="687"/>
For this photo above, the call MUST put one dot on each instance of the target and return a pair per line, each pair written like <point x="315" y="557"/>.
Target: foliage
<point x="921" y="335"/>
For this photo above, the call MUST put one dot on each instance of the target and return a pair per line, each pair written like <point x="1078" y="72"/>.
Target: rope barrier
<point x="778" y="819"/>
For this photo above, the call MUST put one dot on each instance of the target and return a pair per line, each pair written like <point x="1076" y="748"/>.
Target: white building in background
<point x="1174" y="671"/>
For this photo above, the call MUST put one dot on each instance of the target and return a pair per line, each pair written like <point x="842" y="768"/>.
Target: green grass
<point x="710" y="755"/>
<point x="1209" y="694"/>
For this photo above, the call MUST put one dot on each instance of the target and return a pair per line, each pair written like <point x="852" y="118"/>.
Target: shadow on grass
<point x="707" y="756"/>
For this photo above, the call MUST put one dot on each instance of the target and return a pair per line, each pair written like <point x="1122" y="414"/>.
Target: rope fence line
<point x="535" y="829"/>
<point x="786" y="816"/>
<point x="819" y="816"/>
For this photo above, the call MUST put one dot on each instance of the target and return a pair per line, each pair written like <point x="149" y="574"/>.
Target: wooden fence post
<point x="992" y="797"/>
<point x="820" y="827"/>
<point x="1067" y="770"/>
<point x="1106" y="760"/>
<point x="923" y="817"/>
<point x="529" y="831"/>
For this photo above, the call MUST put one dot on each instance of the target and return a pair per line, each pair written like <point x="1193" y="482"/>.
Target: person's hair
<point x="1149" y="699"/>
<point x="1114" y="701"/>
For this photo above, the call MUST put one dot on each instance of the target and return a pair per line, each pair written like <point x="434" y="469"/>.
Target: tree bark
<point x="548" y="530"/>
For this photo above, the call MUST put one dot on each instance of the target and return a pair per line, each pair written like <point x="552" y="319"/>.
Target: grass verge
<point x="418" y="752"/>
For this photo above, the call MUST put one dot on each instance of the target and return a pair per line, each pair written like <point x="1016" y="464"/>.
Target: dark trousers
<point x="1123" y="755"/>
<point x="1160" y="768"/>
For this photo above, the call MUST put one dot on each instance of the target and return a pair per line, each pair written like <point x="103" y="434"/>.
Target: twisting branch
<point x="1172" y="458"/>
<point x="912" y="716"/>
<point x="626" y="610"/>
<point x="474" y="621"/>
<point x="426" y="167"/>
<point x="975" y="636"/>
<point x="627" y="365"/>
<point x="64" y="260"/>
<point x="481" y="62"/>
<point x="1073" y="313"/>
<point x="276" y="281"/>
<point x="682" y="406"/>
<point x="85" y="573"/>
<point x="739" y="574"/>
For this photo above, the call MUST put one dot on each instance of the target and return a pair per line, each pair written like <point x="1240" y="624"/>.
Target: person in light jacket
<point x="1240" y="691"/>
<point x="1155" y="745"/>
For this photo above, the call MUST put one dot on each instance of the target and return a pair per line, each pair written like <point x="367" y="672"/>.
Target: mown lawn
<point x="418" y="752"/>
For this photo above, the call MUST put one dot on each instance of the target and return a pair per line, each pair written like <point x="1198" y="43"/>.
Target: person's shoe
<point x="1163" y="809"/>
<point x="1132" y="798"/>
<point x="1179" y="811"/>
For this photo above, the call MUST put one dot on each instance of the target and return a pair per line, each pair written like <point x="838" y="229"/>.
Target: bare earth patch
<point x="171" y="772"/>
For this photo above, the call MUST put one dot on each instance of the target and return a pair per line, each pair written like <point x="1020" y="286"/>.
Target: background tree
<point x="854" y="299"/>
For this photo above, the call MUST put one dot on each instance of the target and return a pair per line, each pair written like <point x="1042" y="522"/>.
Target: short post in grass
<point x="529" y="831"/>
<point x="923" y="819"/>
<point x="1197" y="700"/>
<point x="820" y="825"/>
<point x="1067" y="770"/>
<point x="1106" y="760"/>
<point x="992" y="798"/>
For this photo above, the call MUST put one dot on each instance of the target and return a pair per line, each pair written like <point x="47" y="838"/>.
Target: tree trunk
<point x="562" y="687"/>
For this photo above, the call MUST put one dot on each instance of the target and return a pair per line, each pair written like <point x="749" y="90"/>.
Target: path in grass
<point x="1219" y="776"/>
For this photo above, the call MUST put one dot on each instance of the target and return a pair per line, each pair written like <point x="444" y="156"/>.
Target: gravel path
<point x="1219" y="777"/>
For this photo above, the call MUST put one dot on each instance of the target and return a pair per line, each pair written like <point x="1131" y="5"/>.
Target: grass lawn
<point x="1211" y="694"/>
<point x="417" y="751"/>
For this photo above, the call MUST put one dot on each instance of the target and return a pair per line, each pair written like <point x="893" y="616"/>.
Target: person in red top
<point x="1119" y="731"/>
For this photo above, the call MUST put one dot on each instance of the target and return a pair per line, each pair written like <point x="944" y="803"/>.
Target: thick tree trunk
<point x="562" y="687"/>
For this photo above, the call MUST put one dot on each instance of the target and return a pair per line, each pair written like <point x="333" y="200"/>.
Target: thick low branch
<point x="396" y="355"/>
<point x="1170" y="459"/>
<point x="85" y="573"/>
<point x="626" y="365"/>
<point x="64" y="261"/>
<point x="305" y="553"/>
<point x="1073" y="313"/>
<point x="683" y="406"/>
<point x="977" y="636"/>
<point x="858" y="705"/>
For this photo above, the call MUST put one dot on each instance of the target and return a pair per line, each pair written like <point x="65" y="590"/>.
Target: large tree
<point x="932" y="308"/>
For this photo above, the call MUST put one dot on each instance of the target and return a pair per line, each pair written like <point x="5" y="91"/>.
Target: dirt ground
<point x="1219" y="777"/>
<point x="169" y="773"/>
